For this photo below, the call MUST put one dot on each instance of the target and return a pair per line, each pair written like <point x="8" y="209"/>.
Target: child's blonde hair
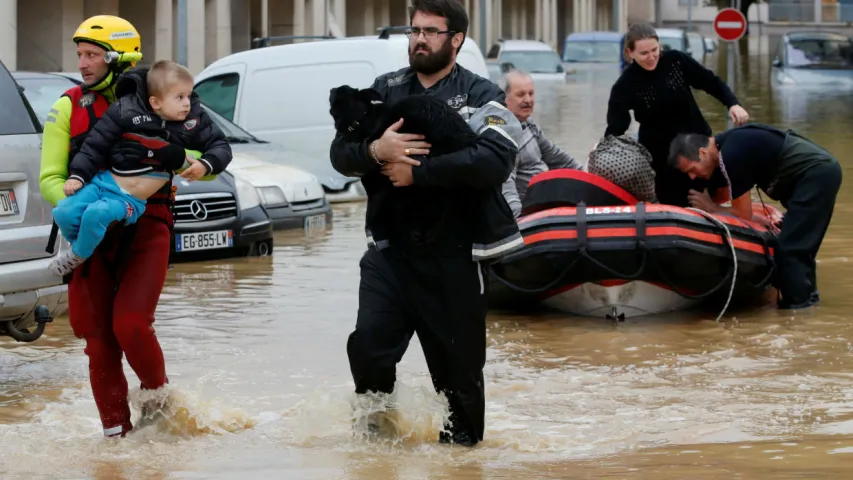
<point x="164" y="74"/>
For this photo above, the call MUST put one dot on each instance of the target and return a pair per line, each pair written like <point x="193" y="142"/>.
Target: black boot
<point x="457" y="437"/>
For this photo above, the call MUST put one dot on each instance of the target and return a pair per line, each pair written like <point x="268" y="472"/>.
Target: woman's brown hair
<point x="637" y="32"/>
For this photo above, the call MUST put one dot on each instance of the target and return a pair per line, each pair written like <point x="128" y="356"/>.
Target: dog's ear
<point x="341" y="94"/>
<point x="369" y="95"/>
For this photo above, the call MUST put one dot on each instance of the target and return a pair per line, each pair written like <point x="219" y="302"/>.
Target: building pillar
<point x="474" y="25"/>
<point x="265" y="18"/>
<point x="575" y="16"/>
<point x="219" y="14"/>
<point x="499" y="19"/>
<point x="341" y="16"/>
<point x="369" y="17"/>
<point x="596" y="14"/>
<point x="163" y="32"/>
<point x="72" y="17"/>
<point x="9" y="40"/>
<point x="490" y="30"/>
<point x="316" y="17"/>
<point x="818" y="11"/>
<point x="241" y="26"/>
<point x="555" y="25"/>
<point x="383" y="19"/>
<point x="524" y="7"/>
<point x="514" y="17"/>
<point x="590" y="15"/>
<point x="537" y="19"/>
<point x="298" y="18"/>
<point x="195" y="42"/>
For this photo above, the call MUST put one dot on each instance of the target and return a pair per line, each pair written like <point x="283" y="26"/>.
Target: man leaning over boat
<point x="536" y="154"/>
<point x="803" y="176"/>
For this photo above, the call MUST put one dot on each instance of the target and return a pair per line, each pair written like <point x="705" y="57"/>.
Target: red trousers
<point x="117" y="319"/>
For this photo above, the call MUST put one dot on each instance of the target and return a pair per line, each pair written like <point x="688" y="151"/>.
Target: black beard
<point x="432" y="62"/>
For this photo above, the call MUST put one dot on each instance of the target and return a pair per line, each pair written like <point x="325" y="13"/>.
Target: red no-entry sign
<point x="730" y="24"/>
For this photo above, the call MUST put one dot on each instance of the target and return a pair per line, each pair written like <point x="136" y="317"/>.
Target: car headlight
<point x="247" y="194"/>
<point x="272" y="196"/>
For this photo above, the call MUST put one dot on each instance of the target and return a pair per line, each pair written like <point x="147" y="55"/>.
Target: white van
<point x="281" y="94"/>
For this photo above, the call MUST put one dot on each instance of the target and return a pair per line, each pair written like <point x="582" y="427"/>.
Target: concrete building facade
<point x="37" y="34"/>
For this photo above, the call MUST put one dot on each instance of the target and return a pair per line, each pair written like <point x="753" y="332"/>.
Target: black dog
<point x="360" y="115"/>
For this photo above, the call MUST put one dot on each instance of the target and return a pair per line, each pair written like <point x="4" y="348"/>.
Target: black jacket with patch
<point x="461" y="189"/>
<point x="131" y="113"/>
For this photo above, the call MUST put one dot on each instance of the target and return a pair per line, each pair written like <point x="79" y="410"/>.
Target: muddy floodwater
<point x="255" y="350"/>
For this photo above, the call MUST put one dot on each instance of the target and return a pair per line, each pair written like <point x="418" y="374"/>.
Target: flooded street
<point x="255" y="352"/>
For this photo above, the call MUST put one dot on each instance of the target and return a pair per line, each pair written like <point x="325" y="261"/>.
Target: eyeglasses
<point x="429" y="32"/>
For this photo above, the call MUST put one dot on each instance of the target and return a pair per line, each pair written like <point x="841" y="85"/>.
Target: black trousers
<point x="443" y="299"/>
<point x="808" y="213"/>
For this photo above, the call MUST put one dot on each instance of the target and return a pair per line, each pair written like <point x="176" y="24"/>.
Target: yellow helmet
<point x="114" y="34"/>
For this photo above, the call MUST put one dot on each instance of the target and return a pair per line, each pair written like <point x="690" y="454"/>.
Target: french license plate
<point x="315" y="223"/>
<point x="8" y="203"/>
<point x="185" y="242"/>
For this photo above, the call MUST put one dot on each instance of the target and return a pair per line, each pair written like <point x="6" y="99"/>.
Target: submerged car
<point x="675" y="39"/>
<point x="597" y="49"/>
<point x="536" y="58"/>
<point x="222" y="217"/>
<point x="697" y="46"/>
<point x="292" y="197"/>
<point x="813" y="58"/>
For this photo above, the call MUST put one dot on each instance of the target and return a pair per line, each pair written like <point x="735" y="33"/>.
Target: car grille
<point x="203" y="207"/>
<point x="306" y="205"/>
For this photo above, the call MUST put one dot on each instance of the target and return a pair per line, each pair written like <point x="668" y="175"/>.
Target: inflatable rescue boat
<point x="592" y="249"/>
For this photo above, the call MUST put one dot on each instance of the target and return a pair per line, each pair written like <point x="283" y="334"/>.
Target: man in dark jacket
<point x="423" y="269"/>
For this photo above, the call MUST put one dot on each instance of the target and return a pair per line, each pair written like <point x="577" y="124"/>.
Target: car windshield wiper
<point x="231" y="139"/>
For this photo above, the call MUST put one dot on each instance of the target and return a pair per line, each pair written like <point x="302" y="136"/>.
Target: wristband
<point x="373" y="151"/>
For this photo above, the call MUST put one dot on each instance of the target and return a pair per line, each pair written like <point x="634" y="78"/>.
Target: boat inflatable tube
<point x="592" y="249"/>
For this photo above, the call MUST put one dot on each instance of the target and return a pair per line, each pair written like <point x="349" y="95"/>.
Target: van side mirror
<point x="777" y="63"/>
<point x="507" y="66"/>
<point x="560" y="68"/>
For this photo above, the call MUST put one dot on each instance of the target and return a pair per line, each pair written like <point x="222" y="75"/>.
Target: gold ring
<point x="406" y="151"/>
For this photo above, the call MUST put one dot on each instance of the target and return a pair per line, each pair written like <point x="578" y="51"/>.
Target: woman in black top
<point x="656" y="86"/>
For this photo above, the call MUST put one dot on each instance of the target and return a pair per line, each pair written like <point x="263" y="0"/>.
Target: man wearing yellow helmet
<point x="114" y="317"/>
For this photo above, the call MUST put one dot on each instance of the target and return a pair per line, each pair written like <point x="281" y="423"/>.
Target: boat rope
<point x="731" y="242"/>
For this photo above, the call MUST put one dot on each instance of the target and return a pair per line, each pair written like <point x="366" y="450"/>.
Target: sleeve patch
<point x="492" y="120"/>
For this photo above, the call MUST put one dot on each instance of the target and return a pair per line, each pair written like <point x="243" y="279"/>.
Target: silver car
<point x="30" y="295"/>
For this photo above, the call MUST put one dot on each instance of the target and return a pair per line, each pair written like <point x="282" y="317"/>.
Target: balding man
<point x="536" y="153"/>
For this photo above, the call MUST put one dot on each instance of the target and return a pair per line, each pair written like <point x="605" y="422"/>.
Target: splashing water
<point x="184" y="413"/>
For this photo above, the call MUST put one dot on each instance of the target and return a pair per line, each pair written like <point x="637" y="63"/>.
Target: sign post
<point x="730" y="26"/>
